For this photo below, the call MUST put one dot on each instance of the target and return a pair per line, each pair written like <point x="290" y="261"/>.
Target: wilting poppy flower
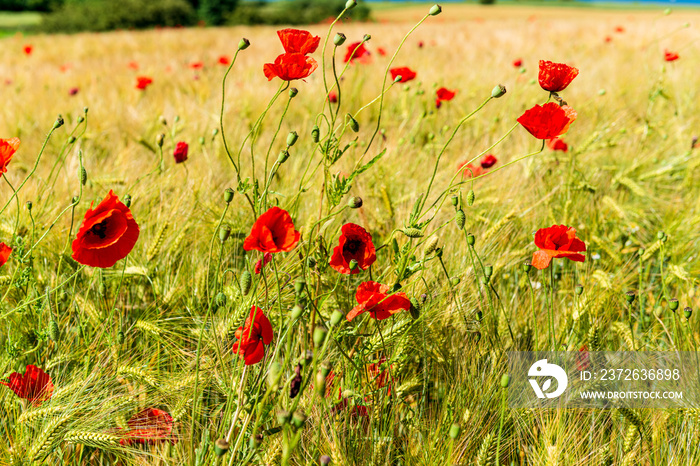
<point x="142" y="82"/>
<point x="290" y="66"/>
<point x="518" y="63"/>
<point x="224" y="60"/>
<point x="5" y="251"/>
<point x="376" y="299"/>
<point x="267" y="257"/>
<point x="670" y="56"/>
<point x="548" y="121"/>
<point x="180" y="152"/>
<point x="557" y="241"/>
<point x="407" y="74"/>
<point x="354" y="244"/>
<point x="333" y="97"/>
<point x="298" y="41"/>
<point x="148" y="427"/>
<point x="198" y="65"/>
<point x="355" y="51"/>
<point x="555" y="77"/>
<point x="8" y="147"/>
<point x="28" y="49"/>
<point x="253" y="336"/>
<point x="108" y="234"/>
<point x="488" y="161"/>
<point x="34" y="385"/>
<point x="73" y="91"/>
<point x="272" y="232"/>
<point x="557" y="144"/>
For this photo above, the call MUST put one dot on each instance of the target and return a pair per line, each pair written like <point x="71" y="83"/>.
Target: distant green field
<point x="11" y="21"/>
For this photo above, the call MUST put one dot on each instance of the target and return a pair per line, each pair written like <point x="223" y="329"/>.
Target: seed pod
<point x="355" y="202"/>
<point x="435" y="10"/>
<point x="339" y="39"/>
<point x="505" y="380"/>
<point x="81" y="119"/>
<point x="228" y="195"/>
<point x="243" y="44"/>
<point x="284" y="155"/>
<point x="221" y="447"/>
<point x="470" y="197"/>
<point x="460" y="219"/>
<point x="454" y="200"/>
<point x="354" y="125"/>
<point x="687" y="312"/>
<point x="471" y="240"/>
<point x="578" y="289"/>
<point x="498" y="91"/>
<point x="293" y="91"/>
<point x="246" y="282"/>
<point x="71" y="140"/>
<point x="352" y="265"/>
<point x="29" y="205"/>
<point x="488" y="271"/>
<point x="224" y="233"/>
<point x="527" y="266"/>
<point x="315" y="134"/>
<point x="159" y="139"/>
<point x="629" y="297"/>
<point x="673" y="304"/>
<point x="292" y="138"/>
<point x="59" y="122"/>
<point x="412" y="232"/>
<point x="127" y="200"/>
<point x="299" y="418"/>
<point x="454" y="431"/>
<point x="319" y="336"/>
<point x="54" y="332"/>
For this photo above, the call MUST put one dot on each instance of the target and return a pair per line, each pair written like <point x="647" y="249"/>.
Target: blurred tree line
<point x="104" y="15"/>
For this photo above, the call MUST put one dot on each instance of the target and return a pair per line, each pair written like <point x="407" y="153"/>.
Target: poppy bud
<point x="488" y="271"/>
<point x="366" y="38"/>
<point x="58" y="123"/>
<point x="339" y="39"/>
<point x="202" y="141"/>
<point x="336" y="317"/>
<point x="273" y="375"/>
<point x="673" y="304"/>
<point x="81" y="119"/>
<point x="159" y="139"/>
<point x="83" y="176"/>
<point x="320" y="384"/>
<point x="293" y="91"/>
<point x="460" y="219"/>
<point x="470" y="197"/>
<point x="120" y="337"/>
<point x="297" y="311"/>
<point x="283" y="417"/>
<point x="299" y="285"/>
<point x="224" y="233"/>
<point x="220" y="299"/>
<point x="325" y="460"/>
<point x="162" y="120"/>
<point x="352" y="265"/>
<point x="284" y="155"/>
<point x="74" y="200"/>
<point x="319" y="336"/>
<point x="29" y="205"/>
<point x="660" y="235"/>
<point x="435" y="10"/>
<point x="505" y="380"/>
<point x="415" y="308"/>
<point x="228" y="195"/>
<point x="355" y="202"/>
<point x="454" y="431"/>
<point x="454" y="200"/>
<point x="71" y="140"/>
<point x="398" y="79"/>
<point x="54" y="332"/>
<point x="687" y="312"/>
<point x="431" y="245"/>
<point x="498" y="91"/>
<point x="243" y="44"/>
<point x="412" y="232"/>
<point x="527" y="267"/>
<point x="354" y="125"/>
<point x="292" y="138"/>
<point x="350" y="4"/>
<point x="315" y="134"/>
<point x="299" y="418"/>
<point x="454" y="281"/>
<point x="221" y="447"/>
<point x="629" y="297"/>
<point x="214" y="132"/>
<point x="578" y="289"/>
<point x="471" y="240"/>
<point x="246" y="282"/>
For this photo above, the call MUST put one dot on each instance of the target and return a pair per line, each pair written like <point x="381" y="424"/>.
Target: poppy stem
<point x="551" y="307"/>
<point x="500" y="426"/>
<point x="221" y="116"/>
<point x="534" y="314"/>
<point x="241" y="383"/>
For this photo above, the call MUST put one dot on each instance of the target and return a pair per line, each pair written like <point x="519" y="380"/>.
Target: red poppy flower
<point x="8" y="147"/>
<point x="355" y="51"/>
<point x="583" y="359"/>
<point x="518" y="63"/>
<point x="65" y="67"/>
<point x="420" y="44"/>
<point x="557" y="241"/>
<point x="445" y="94"/>
<point x="272" y="232"/>
<point x="333" y="97"/>
<point x="253" y="336"/>
<point x="198" y="65"/>
<point x="5" y="251"/>
<point x="290" y="66"/>
<point x="73" y="91"/>
<point x="224" y="60"/>
<point x="133" y="65"/>
<point x="34" y="385"/>
<point x="608" y="39"/>
<point x="381" y="52"/>
<point x="548" y="121"/>
<point x="375" y="299"/>
<point x="488" y="161"/>
<point x="407" y="74"/>
<point x="557" y="144"/>
<point x="180" y="152"/>
<point x="28" y="49"/>
<point x="142" y="82"/>
<point x="670" y="56"/>
<point x="377" y="373"/>
<point x="148" y="427"/>
<point x="267" y="257"/>
<point x="354" y="243"/>
<point x="298" y="41"/>
<point x="555" y="77"/>
<point x="619" y="29"/>
<point x="108" y="234"/>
